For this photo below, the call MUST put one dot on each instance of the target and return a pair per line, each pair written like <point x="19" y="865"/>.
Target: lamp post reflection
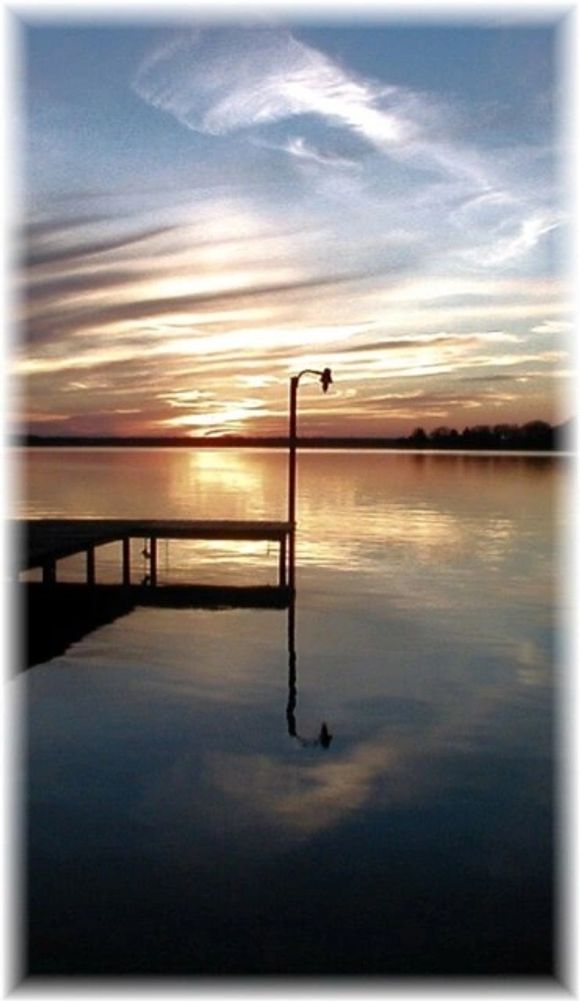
<point x="324" y="737"/>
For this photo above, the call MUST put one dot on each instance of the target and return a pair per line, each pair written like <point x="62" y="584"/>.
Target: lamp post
<point x="325" y="379"/>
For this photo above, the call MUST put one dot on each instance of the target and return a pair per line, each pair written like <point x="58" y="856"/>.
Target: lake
<point x="184" y="816"/>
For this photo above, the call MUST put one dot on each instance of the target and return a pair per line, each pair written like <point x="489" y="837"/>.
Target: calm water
<point x="183" y="817"/>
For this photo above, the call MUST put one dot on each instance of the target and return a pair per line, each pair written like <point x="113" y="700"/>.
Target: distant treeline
<point x="534" y="436"/>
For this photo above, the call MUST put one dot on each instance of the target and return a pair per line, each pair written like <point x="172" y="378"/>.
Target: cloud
<point x="432" y="340"/>
<point x="220" y="265"/>
<point x="51" y="252"/>
<point x="223" y="298"/>
<point x="301" y="149"/>
<point x="229" y="79"/>
<point x="222" y="81"/>
<point x="553" y="327"/>
<point x="51" y="227"/>
<point x="150" y="309"/>
<point x="415" y="173"/>
<point x="525" y="235"/>
<point x="55" y="290"/>
<point x="497" y="377"/>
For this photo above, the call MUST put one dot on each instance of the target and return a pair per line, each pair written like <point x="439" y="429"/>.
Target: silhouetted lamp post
<point x="325" y="379"/>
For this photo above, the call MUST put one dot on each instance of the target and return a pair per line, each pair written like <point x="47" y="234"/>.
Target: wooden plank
<point x="43" y="542"/>
<point x="137" y="526"/>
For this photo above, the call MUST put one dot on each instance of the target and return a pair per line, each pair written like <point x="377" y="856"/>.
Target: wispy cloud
<point x="213" y="82"/>
<point x="300" y="148"/>
<point x="525" y="235"/>
<point x="150" y="332"/>
<point x="223" y="81"/>
<point x="553" y="327"/>
<point x="220" y="81"/>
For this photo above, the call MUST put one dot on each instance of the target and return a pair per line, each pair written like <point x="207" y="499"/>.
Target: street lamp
<point x="325" y="379"/>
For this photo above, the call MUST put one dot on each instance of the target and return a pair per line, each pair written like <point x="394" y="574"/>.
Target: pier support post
<point x="91" y="577"/>
<point x="126" y="543"/>
<point x="49" y="572"/>
<point x="282" y="563"/>
<point x="153" y="560"/>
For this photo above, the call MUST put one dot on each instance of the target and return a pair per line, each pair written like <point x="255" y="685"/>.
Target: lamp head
<point x="326" y="379"/>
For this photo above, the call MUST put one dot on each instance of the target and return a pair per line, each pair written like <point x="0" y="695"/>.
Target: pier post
<point x="153" y="560"/>
<point x="91" y="577"/>
<point x="282" y="563"/>
<point x="126" y="543"/>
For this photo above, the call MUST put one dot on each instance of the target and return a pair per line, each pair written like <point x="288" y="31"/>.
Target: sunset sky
<point x="211" y="208"/>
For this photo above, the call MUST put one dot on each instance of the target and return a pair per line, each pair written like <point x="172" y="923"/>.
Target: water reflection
<point x="324" y="738"/>
<point x="227" y="476"/>
<point x="162" y="774"/>
<point x="54" y="617"/>
<point x="183" y="817"/>
<point x="406" y="508"/>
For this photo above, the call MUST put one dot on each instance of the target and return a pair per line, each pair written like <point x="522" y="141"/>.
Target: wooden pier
<point x="57" y="613"/>
<point x="41" y="543"/>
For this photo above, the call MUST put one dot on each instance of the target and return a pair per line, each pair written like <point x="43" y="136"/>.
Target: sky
<point x="209" y="208"/>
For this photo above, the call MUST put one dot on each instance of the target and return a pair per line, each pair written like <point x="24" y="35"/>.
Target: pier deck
<point x="42" y="542"/>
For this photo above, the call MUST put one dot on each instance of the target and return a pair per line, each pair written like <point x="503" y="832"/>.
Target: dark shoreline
<point x="351" y="444"/>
